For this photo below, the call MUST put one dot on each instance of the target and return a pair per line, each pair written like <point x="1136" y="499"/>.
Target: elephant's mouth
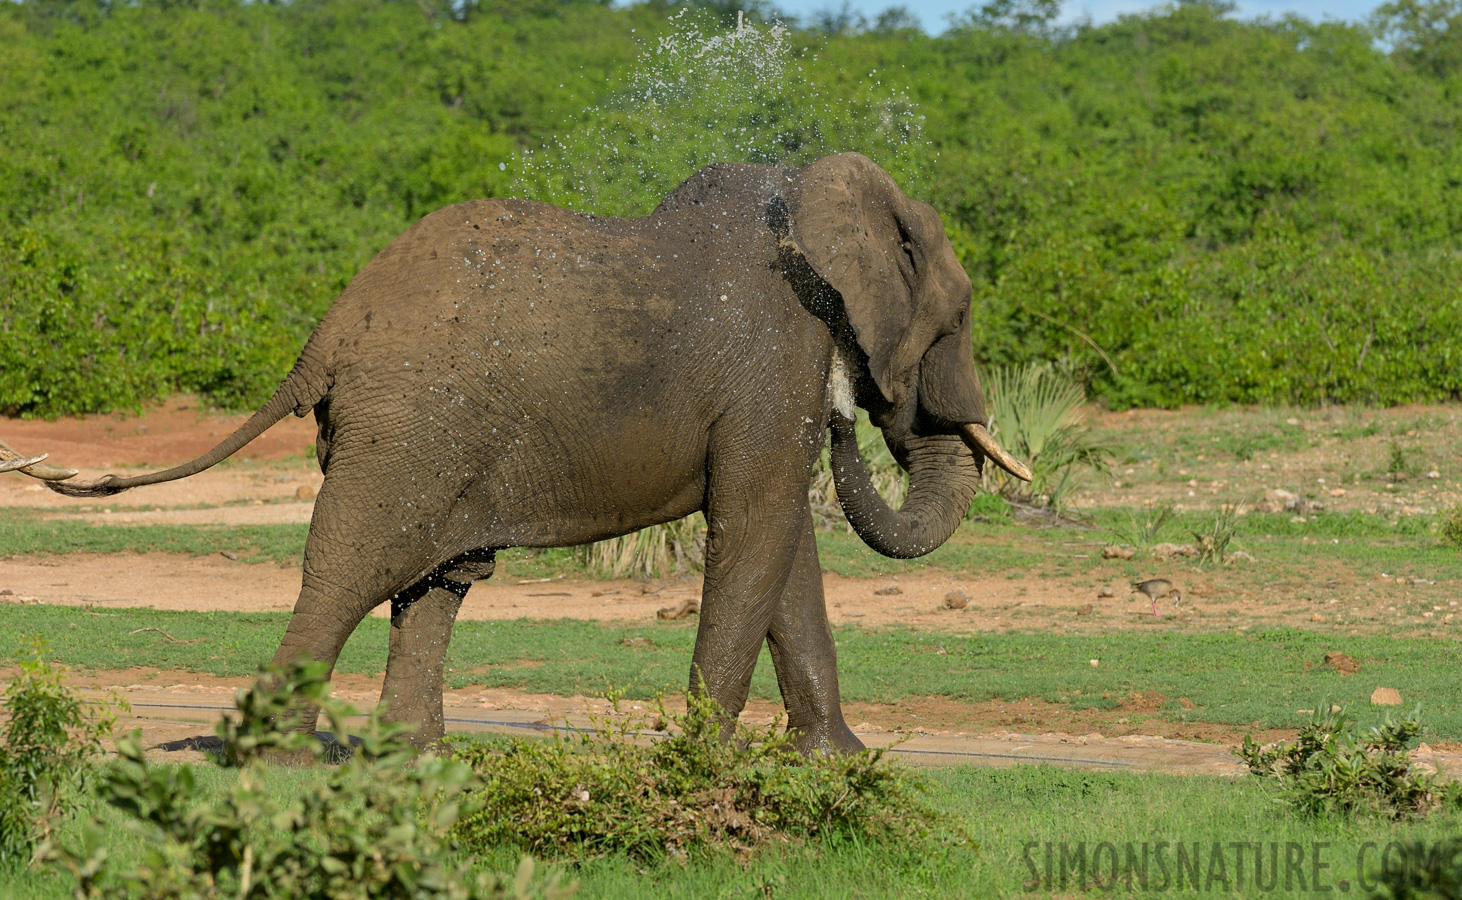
<point x="982" y="442"/>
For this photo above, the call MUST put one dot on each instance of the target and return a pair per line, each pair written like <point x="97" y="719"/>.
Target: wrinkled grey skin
<point x="511" y="374"/>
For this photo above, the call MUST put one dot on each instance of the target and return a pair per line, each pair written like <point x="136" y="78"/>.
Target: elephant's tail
<point x="299" y="393"/>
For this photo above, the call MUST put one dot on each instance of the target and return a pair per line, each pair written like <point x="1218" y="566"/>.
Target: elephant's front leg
<point x="806" y="658"/>
<point x="751" y="544"/>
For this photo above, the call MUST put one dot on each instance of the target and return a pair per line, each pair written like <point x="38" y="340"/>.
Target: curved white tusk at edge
<point x="979" y="438"/>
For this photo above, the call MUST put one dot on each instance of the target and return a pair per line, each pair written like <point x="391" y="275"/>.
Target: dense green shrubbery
<point x="51" y="738"/>
<point x="609" y="791"/>
<point x="1334" y="767"/>
<point x="374" y="827"/>
<point x="1230" y="211"/>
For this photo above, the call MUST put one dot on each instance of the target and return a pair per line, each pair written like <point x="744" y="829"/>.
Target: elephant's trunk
<point x="943" y="478"/>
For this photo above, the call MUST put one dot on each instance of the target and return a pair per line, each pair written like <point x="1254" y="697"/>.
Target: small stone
<point x="1434" y="474"/>
<point x="1095" y="663"/>
<point x="304" y="492"/>
<point x="1316" y="617"/>
<point x="1115" y="552"/>
<point x="7" y="593"/>
<point x="956" y="600"/>
<point x="890" y="591"/>
<point x="1106" y="592"/>
<point x="1337" y="492"/>
<point x="686" y="608"/>
<point x="1169" y="550"/>
<point x="1084" y="609"/>
<point x="1292" y="421"/>
<point x="1384" y="696"/>
<point x="229" y="554"/>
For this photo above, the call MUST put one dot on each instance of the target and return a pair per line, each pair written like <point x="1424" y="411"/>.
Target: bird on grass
<point x="1156" y="589"/>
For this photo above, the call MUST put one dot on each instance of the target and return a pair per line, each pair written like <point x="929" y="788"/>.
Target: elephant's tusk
<point x="980" y="439"/>
<point x="10" y="460"/>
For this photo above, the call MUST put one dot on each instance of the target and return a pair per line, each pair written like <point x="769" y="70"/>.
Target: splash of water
<point x="703" y="94"/>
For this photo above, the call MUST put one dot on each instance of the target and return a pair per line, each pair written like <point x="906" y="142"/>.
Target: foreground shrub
<point x="50" y="738"/>
<point x="608" y="791"/>
<point x="1422" y="872"/>
<point x="1335" y="768"/>
<point x="373" y="828"/>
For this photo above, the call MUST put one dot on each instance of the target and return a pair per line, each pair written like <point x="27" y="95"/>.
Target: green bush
<point x="1451" y="526"/>
<point x="1421" y="872"/>
<point x="51" y="738"/>
<point x="374" y="827"/>
<point x="698" y="790"/>
<point x="1191" y="207"/>
<point x="1334" y="768"/>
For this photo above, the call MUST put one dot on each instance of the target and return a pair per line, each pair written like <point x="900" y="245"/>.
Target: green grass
<point x="1036" y="805"/>
<point x="1255" y="680"/>
<point x="32" y="533"/>
<point x="1403" y="544"/>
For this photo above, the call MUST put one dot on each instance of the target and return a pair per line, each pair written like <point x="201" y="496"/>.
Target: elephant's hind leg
<point x="422" y="617"/>
<point x="357" y="556"/>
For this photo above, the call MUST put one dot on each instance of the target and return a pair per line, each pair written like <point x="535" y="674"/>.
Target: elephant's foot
<point x="825" y="740"/>
<point x="425" y="720"/>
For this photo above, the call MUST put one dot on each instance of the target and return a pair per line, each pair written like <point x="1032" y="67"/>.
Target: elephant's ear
<point x="866" y="239"/>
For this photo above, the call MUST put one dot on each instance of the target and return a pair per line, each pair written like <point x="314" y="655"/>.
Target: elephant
<point x="513" y="374"/>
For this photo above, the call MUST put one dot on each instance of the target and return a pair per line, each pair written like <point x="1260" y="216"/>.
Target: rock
<point x="7" y="593"/>
<point x="956" y="600"/>
<point x="1384" y="696"/>
<point x="304" y="492"/>
<point x="1106" y="592"/>
<point x="1337" y="492"/>
<point x="686" y="608"/>
<point x="1115" y="552"/>
<point x="229" y="554"/>
<point x="1084" y="609"/>
<point x="1316" y="617"/>
<point x="890" y="591"/>
<point x="1303" y="506"/>
<point x="1095" y="663"/>
<point x="1342" y="663"/>
<point x="1168" y="551"/>
<point x="1434" y="474"/>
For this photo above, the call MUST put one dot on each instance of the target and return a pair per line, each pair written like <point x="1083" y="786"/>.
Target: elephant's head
<point x="904" y="331"/>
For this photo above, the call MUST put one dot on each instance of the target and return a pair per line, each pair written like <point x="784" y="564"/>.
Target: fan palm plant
<point x="1038" y="414"/>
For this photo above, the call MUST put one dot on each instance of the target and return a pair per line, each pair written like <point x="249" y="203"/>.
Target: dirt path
<point x="176" y="712"/>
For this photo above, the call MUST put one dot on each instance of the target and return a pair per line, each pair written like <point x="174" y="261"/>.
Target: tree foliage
<point x="1252" y="211"/>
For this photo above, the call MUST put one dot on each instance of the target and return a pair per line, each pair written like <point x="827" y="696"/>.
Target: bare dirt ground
<point x="1399" y="462"/>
